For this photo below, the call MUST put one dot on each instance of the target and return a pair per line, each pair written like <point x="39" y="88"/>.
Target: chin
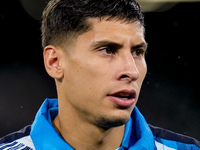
<point x="112" y="121"/>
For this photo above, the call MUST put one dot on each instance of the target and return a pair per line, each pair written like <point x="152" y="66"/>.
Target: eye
<point x="138" y="53"/>
<point x="108" y="50"/>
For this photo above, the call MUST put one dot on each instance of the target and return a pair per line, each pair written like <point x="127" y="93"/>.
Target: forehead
<point x="116" y="30"/>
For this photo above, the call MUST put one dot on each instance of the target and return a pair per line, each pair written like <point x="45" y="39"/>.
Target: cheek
<point x="84" y="78"/>
<point x="84" y="85"/>
<point x="142" y="68"/>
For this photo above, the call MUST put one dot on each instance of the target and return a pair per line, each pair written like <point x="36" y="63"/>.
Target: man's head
<point x="65" y="19"/>
<point x="95" y="51"/>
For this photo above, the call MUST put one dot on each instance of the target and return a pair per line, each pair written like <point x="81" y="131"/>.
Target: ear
<point x="52" y="62"/>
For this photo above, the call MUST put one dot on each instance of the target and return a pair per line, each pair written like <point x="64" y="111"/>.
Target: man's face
<point x="103" y="72"/>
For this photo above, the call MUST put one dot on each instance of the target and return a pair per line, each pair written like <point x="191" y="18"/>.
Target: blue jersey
<point x="138" y="134"/>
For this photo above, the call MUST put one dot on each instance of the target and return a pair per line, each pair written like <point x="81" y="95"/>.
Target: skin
<point x="86" y="71"/>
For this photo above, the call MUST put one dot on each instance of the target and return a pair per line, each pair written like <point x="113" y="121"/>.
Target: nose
<point x="128" y="70"/>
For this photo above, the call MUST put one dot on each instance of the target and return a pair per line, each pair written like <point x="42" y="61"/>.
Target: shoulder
<point x="18" y="140"/>
<point x="169" y="138"/>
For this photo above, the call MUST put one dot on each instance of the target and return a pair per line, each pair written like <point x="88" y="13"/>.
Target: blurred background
<point x="169" y="97"/>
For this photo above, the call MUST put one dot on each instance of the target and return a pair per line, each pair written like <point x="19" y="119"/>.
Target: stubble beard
<point x="107" y="123"/>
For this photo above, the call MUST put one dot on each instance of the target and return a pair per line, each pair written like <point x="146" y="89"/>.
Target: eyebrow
<point x="98" y="44"/>
<point x="142" y="45"/>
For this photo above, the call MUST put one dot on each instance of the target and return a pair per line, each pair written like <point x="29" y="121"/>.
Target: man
<point x="95" y="51"/>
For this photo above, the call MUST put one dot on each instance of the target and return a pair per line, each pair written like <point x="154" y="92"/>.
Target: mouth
<point x="124" y="98"/>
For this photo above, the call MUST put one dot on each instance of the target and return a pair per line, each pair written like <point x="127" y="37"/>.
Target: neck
<point x="84" y="136"/>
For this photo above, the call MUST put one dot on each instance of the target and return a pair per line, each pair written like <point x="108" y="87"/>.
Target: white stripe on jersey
<point x="24" y="143"/>
<point x="162" y="147"/>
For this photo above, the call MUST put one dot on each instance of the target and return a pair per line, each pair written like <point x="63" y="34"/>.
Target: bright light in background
<point x="160" y="5"/>
<point x="155" y="6"/>
<point x="169" y="0"/>
<point x="34" y="7"/>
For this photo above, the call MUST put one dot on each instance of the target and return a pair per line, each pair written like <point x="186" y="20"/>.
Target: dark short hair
<point x="64" y="19"/>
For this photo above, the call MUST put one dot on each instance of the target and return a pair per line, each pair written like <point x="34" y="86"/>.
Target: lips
<point x="124" y="98"/>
